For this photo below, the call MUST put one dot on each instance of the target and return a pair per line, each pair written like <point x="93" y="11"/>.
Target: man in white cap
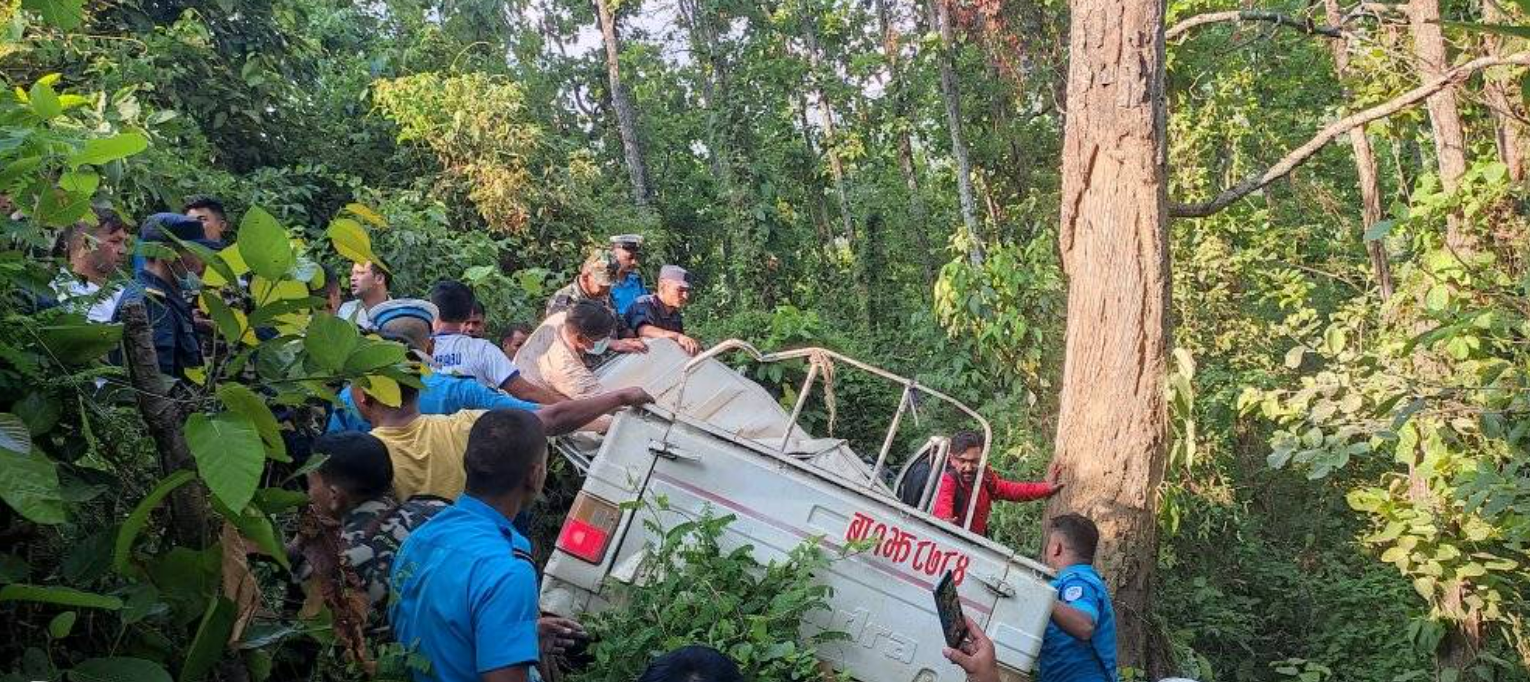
<point x="627" y="286"/>
<point x="657" y="315"/>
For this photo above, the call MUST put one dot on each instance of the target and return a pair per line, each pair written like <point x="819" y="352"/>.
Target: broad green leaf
<point x="29" y="484"/>
<point x="63" y="596"/>
<point x="83" y="181"/>
<point x="44" y="101"/>
<point x="373" y="355"/>
<point x="212" y="636"/>
<point x="1379" y="230"/>
<point x="222" y="316"/>
<point x="64" y="14"/>
<point x="229" y="454"/>
<point x="385" y="390"/>
<point x="366" y="213"/>
<point x="351" y="241"/>
<point x="60" y="208"/>
<point x="122" y="552"/>
<point x="278" y="500"/>
<point x="118" y="669"/>
<point x="62" y="624"/>
<point x="14" y="434"/>
<point x="255" y="525"/>
<point x="329" y="341"/>
<point x="1294" y="356"/>
<point x="107" y="149"/>
<point x="264" y="244"/>
<point x="270" y="312"/>
<point x="241" y="400"/>
<point x="75" y="341"/>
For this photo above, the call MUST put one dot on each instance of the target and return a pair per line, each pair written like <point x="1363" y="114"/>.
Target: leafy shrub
<point x="689" y="590"/>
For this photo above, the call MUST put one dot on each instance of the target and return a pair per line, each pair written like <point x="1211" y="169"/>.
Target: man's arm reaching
<point x="569" y="415"/>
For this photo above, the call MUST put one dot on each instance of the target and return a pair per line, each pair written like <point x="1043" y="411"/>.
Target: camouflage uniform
<point x="569" y="296"/>
<point x="373" y="531"/>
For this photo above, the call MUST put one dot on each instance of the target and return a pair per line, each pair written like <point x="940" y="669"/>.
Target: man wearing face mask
<point x="170" y="274"/>
<point x="552" y="356"/>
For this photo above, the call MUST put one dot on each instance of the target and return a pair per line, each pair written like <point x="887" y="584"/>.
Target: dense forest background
<point x="1345" y="492"/>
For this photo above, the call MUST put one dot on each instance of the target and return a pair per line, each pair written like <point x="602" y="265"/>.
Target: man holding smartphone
<point x="1080" y="641"/>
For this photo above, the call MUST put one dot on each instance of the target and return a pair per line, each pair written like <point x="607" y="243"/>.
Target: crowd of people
<point x="467" y="450"/>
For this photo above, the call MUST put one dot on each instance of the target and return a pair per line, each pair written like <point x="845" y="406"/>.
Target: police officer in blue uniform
<point x="169" y="275"/>
<point x="1080" y="641"/>
<point x="628" y="285"/>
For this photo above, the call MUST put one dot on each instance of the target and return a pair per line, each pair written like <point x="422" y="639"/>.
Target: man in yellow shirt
<point x="427" y="449"/>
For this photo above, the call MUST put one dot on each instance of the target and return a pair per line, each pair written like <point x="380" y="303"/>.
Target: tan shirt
<point x="547" y="359"/>
<point x="427" y="454"/>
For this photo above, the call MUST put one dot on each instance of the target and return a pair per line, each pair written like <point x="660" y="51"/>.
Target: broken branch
<point x="1304" y="25"/>
<point x="1333" y="130"/>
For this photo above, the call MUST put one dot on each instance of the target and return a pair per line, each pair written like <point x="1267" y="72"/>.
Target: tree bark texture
<point x="1365" y="165"/>
<point x="905" y="145"/>
<point x="190" y="524"/>
<point x="826" y="120"/>
<point x="1444" y="114"/>
<point x="940" y="19"/>
<point x="626" y="113"/>
<point x="1112" y="425"/>
<point x="1497" y="88"/>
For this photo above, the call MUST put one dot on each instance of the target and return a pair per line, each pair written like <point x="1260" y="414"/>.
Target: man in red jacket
<point x="956" y="485"/>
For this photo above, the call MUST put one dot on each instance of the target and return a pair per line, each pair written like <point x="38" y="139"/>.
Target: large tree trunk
<point x="1444" y="116"/>
<point x="940" y="19"/>
<point x="1112" y="423"/>
<point x="621" y="101"/>
<point x="1509" y="135"/>
<point x="905" y="151"/>
<point x="1365" y="164"/>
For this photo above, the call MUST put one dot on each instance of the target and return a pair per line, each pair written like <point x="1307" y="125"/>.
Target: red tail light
<point x="588" y="528"/>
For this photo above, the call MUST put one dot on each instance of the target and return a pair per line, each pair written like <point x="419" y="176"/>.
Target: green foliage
<point x="690" y="589"/>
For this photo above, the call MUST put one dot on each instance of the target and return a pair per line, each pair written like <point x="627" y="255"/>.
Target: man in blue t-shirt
<point x="1080" y="641"/>
<point x="464" y="585"/>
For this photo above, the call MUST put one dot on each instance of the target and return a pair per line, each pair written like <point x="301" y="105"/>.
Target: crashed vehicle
<point x="716" y="441"/>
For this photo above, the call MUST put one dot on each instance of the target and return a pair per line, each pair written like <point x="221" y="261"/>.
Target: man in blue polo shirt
<point x="628" y="284"/>
<point x="465" y="586"/>
<point x="1080" y="641"/>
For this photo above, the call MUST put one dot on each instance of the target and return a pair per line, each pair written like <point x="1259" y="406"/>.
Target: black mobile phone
<point x="952" y="621"/>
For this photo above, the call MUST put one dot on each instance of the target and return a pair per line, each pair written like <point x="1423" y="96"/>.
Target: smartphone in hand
<point x="949" y="606"/>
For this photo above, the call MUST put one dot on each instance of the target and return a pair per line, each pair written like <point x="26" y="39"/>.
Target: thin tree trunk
<point x="940" y="19"/>
<point x="190" y="524"/>
<point x="905" y="151"/>
<point x="626" y="114"/>
<point x="826" y="119"/>
<point x="1509" y="135"/>
<point x="1444" y="115"/>
<point x="1365" y="164"/>
<point x="1112" y="430"/>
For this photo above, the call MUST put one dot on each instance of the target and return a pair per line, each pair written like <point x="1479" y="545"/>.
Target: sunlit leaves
<point x="350" y="240"/>
<point x="64" y="14"/>
<point x="264" y="244"/>
<point x="107" y="149"/>
<point x="329" y="341"/>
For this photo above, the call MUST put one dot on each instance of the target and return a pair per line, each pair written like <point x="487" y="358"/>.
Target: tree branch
<point x="1333" y="130"/>
<point x="1304" y="25"/>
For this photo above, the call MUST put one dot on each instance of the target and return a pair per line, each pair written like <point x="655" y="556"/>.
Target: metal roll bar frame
<point x="906" y="401"/>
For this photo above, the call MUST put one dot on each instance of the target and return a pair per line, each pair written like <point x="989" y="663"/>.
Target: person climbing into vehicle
<point x="957" y="483"/>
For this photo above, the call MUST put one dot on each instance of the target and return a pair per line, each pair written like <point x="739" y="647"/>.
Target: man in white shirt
<point x="458" y="353"/>
<point x="369" y="284"/>
<point x="94" y="253"/>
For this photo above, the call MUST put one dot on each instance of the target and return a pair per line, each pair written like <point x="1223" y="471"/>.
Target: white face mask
<point x="600" y="347"/>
